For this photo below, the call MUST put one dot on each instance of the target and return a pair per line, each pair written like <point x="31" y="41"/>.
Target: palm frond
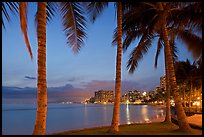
<point x="192" y="42"/>
<point x="74" y="22"/>
<point x="174" y="49"/>
<point x="142" y="24"/>
<point x="52" y="8"/>
<point x="23" y="22"/>
<point x="95" y="9"/>
<point x="160" y="45"/>
<point x="151" y="4"/>
<point x="131" y="36"/>
<point x="127" y="25"/>
<point x="189" y="16"/>
<point x="115" y="37"/>
<point x="138" y="52"/>
<point x="12" y="6"/>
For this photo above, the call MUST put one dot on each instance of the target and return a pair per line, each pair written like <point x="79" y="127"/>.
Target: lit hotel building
<point x="163" y="83"/>
<point x="132" y="96"/>
<point x="103" y="96"/>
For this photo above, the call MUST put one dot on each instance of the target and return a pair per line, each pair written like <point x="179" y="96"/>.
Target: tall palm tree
<point x="94" y="9"/>
<point x="132" y="34"/>
<point x="154" y="18"/>
<point x="187" y="74"/>
<point x="41" y="115"/>
<point x="74" y="23"/>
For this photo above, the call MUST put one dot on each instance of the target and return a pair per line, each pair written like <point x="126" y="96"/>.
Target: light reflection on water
<point x="128" y="114"/>
<point x="144" y="111"/>
<point x="62" y="117"/>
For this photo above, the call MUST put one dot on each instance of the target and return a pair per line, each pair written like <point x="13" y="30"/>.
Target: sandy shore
<point x="195" y="119"/>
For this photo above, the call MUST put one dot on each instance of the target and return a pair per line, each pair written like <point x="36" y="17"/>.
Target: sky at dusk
<point x="69" y="74"/>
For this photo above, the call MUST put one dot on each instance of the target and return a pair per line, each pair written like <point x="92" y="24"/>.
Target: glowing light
<point x="144" y="93"/>
<point x="160" y="102"/>
<point x="172" y="102"/>
<point x="147" y="120"/>
<point x="127" y="102"/>
<point x="128" y="114"/>
<point x="196" y="103"/>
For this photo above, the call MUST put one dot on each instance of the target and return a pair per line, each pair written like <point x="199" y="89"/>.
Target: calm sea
<point x="19" y="119"/>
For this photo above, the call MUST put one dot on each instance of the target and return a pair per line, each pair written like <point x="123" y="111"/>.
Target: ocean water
<point x="19" y="119"/>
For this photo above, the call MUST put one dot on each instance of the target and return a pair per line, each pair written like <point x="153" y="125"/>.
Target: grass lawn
<point x="135" y="129"/>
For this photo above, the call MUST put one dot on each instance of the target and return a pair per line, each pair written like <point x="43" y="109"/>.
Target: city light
<point x="127" y="102"/>
<point x="196" y="103"/>
<point x="172" y="102"/>
<point x="144" y="93"/>
<point x="160" y="102"/>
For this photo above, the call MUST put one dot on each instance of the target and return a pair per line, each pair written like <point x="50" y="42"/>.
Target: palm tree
<point x="155" y="20"/>
<point x="74" y="23"/>
<point x="131" y="34"/>
<point x="96" y="8"/>
<point x="187" y="74"/>
<point x="41" y="115"/>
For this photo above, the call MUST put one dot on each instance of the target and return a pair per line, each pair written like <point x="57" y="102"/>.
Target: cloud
<point x="74" y="79"/>
<point x="29" y="77"/>
<point x="70" y="93"/>
<point x="55" y="94"/>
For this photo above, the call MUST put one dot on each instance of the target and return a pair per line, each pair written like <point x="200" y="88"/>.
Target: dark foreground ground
<point x="158" y="128"/>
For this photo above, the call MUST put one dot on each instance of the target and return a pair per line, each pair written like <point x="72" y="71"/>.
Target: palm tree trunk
<point x="168" y="88"/>
<point x="184" y="101"/>
<point x="191" y="90"/>
<point x="182" y="121"/>
<point x="41" y="115"/>
<point x="116" y="110"/>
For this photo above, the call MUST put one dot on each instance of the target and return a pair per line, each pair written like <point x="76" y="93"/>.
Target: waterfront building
<point x="104" y="96"/>
<point x="133" y="96"/>
<point x="124" y="98"/>
<point x="163" y="83"/>
<point x="157" y="89"/>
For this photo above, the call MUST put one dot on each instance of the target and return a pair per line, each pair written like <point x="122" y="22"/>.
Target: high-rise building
<point x="163" y="83"/>
<point x="103" y="96"/>
<point x="124" y="98"/>
<point x="134" y="95"/>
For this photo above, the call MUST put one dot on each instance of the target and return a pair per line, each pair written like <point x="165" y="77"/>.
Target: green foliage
<point x="142" y="21"/>
<point x="188" y="74"/>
